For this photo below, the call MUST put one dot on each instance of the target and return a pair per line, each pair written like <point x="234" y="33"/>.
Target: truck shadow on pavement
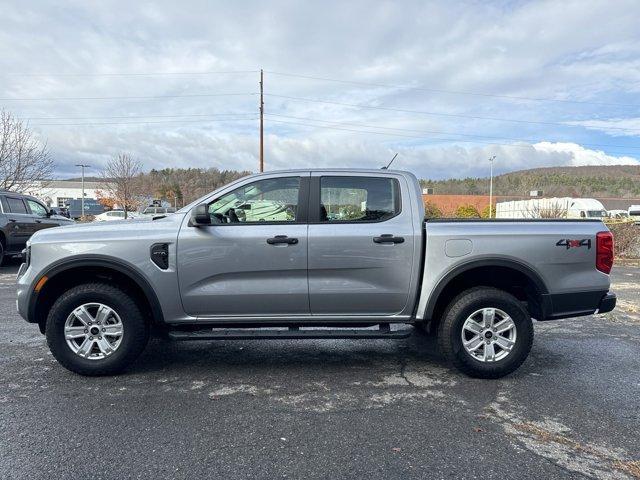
<point x="333" y="359"/>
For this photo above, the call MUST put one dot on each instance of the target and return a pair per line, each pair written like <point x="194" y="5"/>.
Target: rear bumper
<point x="607" y="303"/>
<point x="576" y="304"/>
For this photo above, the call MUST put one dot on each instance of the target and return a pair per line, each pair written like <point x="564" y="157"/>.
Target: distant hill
<point x="591" y="181"/>
<point x="86" y="179"/>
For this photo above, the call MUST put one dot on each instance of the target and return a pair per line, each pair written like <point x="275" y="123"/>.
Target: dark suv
<point x="20" y="217"/>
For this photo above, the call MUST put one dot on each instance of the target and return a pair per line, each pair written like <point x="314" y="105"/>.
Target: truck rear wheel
<point x="96" y="329"/>
<point x="485" y="332"/>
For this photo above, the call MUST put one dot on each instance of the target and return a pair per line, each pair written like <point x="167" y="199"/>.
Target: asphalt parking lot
<point x="328" y="409"/>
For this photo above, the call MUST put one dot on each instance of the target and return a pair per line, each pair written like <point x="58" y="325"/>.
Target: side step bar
<point x="290" y="333"/>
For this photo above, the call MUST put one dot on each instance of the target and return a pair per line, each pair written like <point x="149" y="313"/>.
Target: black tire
<point x="135" y="329"/>
<point x="455" y="315"/>
<point x="1" y="253"/>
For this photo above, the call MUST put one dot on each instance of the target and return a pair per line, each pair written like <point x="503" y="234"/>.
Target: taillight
<point x="604" y="251"/>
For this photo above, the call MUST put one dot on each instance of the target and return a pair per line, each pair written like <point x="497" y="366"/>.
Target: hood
<point x="106" y="231"/>
<point x="61" y="218"/>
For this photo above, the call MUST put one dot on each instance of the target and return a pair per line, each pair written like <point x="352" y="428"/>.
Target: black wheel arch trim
<point x="526" y="270"/>
<point x="76" y="261"/>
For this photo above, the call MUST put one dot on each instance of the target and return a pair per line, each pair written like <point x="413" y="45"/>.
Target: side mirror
<point x="200" y="216"/>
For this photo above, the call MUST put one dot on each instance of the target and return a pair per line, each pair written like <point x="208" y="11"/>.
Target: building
<point x="57" y="193"/>
<point x="448" y="204"/>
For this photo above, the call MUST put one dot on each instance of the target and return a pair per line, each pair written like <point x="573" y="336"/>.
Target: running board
<point x="290" y="333"/>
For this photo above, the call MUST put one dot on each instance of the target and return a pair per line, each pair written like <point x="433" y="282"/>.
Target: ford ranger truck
<point x="312" y="254"/>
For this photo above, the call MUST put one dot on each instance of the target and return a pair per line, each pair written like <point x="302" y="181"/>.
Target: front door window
<point x="269" y="200"/>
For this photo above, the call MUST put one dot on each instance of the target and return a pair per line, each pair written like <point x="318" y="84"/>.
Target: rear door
<point x="20" y="224"/>
<point x="361" y="244"/>
<point x="252" y="261"/>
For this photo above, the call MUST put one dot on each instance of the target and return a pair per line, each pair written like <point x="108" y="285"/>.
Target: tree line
<point x="587" y="181"/>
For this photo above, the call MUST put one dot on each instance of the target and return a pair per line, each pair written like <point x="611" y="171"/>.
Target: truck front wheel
<point x="96" y="329"/>
<point x="485" y="332"/>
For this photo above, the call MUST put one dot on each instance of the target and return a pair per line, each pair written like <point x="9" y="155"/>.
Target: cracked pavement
<point x="328" y="408"/>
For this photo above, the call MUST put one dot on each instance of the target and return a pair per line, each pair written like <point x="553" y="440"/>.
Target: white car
<point x="114" y="215"/>
<point x="618" y="214"/>
<point x="153" y="211"/>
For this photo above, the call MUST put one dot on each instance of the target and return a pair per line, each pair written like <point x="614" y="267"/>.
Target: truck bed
<point x="557" y="255"/>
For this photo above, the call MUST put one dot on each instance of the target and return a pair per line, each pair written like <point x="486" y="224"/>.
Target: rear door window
<point x="358" y="199"/>
<point x="16" y="205"/>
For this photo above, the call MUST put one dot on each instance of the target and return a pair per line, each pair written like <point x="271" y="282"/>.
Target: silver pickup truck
<point x="311" y="254"/>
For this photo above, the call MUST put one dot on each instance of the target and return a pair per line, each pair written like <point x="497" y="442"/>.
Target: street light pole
<point x="261" y="122"/>
<point x="82" y="199"/>
<point x="491" y="186"/>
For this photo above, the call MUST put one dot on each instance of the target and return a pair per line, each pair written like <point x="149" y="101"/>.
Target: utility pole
<point x="491" y="187"/>
<point x="82" y="200"/>
<point x="261" y="122"/>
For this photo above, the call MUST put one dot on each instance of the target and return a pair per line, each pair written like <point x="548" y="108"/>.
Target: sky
<point x="446" y="85"/>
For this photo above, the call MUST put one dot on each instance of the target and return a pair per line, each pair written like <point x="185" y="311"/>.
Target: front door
<point x="40" y="215"/>
<point x="361" y="244"/>
<point x="252" y="260"/>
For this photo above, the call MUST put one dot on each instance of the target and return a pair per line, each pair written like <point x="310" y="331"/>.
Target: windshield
<point x="596" y="213"/>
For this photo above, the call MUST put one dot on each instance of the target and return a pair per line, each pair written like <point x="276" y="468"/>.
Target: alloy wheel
<point x="93" y="331"/>
<point x="489" y="334"/>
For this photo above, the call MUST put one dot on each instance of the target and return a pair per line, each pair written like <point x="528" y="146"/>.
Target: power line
<point x="128" y="74"/>
<point x="311" y="77"/>
<point x="196" y="95"/>
<point x="420" y="137"/>
<point x="452" y="92"/>
<point x="138" y="116"/>
<point x="439" y="114"/>
<point x="145" y="122"/>
<point x="531" y="140"/>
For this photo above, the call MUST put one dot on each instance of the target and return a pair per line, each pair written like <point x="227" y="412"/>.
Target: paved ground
<point x="327" y="409"/>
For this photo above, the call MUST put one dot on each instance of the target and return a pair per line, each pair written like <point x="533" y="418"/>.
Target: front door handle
<point x="388" y="238"/>
<point x="38" y="221"/>
<point x="282" y="239"/>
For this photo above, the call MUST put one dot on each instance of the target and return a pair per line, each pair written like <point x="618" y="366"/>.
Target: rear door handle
<point x="38" y="221"/>
<point x="388" y="238"/>
<point x="282" y="239"/>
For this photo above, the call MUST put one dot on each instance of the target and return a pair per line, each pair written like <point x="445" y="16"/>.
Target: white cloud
<point x="615" y="127"/>
<point x="578" y="155"/>
<point x="188" y="148"/>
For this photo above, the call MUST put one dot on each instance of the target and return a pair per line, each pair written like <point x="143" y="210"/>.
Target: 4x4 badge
<point x="585" y="242"/>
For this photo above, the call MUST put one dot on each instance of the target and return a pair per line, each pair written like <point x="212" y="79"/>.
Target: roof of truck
<point x="357" y="170"/>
